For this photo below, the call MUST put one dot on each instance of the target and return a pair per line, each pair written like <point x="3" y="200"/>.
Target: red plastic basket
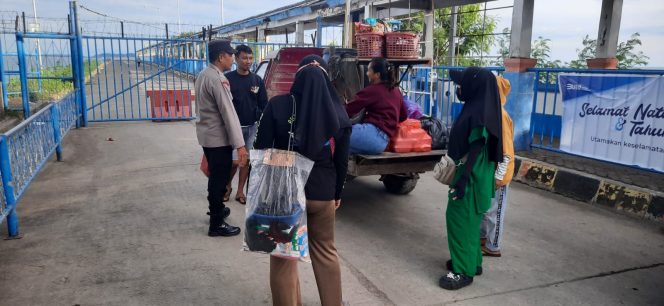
<point x="402" y="45"/>
<point x="370" y="45"/>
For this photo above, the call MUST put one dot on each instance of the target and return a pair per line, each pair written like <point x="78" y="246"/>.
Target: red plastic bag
<point x="410" y="138"/>
<point x="204" y="166"/>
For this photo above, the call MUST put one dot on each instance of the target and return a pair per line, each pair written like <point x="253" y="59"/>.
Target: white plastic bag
<point x="276" y="218"/>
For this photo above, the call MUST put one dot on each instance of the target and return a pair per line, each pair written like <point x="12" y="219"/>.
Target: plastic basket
<point x="402" y="45"/>
<point x="370" y="45"/>
<point x="292" y="219"/>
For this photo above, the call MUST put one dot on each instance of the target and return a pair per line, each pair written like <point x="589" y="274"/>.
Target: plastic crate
<point x="370" y="45"/>
<point x="402" y="45"/>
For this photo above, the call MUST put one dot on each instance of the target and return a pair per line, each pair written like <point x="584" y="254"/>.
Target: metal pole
<point x="319" y="32"/>
<point x="166" y="30"/>
<point x="3" y="79"/>
<point x="24" y="27"/>
<point x="8" y="185"/>
<point x="179" y="29"/>
<point x="34" y="10"/>
<point x="348" y="39"/>
<point x="39" y="74"/>
<point x="223" y="22"/>
<point x="78" y="44"/>
<point x="55" y="121"/>
<point x="122" y="29"/>
<point x="453" y="30"/>
<point x="432" y="73"/>
<point x="23" y="73"/>
<point x="74" y="63"/>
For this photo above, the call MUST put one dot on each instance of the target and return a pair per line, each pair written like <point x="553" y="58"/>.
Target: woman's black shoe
<point x="453" y="281"/>
<point x="448" y="264"/>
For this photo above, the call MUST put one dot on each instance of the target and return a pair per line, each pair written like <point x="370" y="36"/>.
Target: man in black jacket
<point x="249" y="99"/>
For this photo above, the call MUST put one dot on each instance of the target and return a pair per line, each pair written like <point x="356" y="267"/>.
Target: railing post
<point x="3" y="79"/>
<point x="81" y="71"/>
<point x="23" y="74"/>
<point x="8" y="185"/>
<point x="74" y="62"/>
<point x="55" y="121"/>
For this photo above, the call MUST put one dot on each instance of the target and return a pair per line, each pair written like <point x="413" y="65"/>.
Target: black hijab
<point x="481" y="108"/>
<point x="320" y="114"/>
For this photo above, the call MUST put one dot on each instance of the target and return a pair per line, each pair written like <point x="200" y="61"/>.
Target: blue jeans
<point x="368" y="139"/>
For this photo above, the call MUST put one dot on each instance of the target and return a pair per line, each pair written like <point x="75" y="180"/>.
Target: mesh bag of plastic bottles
<point x="276" y="218"/>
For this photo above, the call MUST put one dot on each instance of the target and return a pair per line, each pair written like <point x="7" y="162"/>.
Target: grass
<point x="52" y="90"/>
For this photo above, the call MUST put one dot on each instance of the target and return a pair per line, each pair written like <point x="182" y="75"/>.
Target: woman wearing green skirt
<point x="476" y="147"/>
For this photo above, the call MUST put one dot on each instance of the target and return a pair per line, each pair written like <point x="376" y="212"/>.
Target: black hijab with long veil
<point x="320" y="114"/>
<point x="481" y="108"/>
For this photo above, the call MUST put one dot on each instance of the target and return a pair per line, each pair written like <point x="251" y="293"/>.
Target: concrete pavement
<point x="123" y="223"/>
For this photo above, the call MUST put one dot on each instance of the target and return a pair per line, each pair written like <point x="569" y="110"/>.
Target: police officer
<point x="219" y="132"/>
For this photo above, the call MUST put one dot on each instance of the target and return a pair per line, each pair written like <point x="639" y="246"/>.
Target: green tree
<point x="626" y="54"/>
<point x="473" y="31"/>
<point x="540" y="50"/>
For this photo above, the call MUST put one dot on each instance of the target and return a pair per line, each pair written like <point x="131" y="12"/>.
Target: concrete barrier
<point x="621" y="197"/>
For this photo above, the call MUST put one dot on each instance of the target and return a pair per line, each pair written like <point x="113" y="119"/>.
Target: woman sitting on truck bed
<point x="383" y="102"/>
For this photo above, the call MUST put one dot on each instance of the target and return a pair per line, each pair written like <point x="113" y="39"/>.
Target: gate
<point x="141" y="78"/>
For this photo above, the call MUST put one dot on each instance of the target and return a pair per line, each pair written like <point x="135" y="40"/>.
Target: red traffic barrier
<point x="170" y="104"/>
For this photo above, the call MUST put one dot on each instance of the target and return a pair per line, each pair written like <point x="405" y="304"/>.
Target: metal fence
<point x="433" y="90"/>
<point x="25" y="149"/>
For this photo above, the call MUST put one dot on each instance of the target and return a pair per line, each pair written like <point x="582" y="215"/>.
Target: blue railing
<point x="546" y="120"/>
<point x="434" y="92"/>
<point x="25" y="149"/>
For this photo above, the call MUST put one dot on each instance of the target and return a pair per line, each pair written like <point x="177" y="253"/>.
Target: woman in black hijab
<point x="476" y="147"/>
<point x="322" y="134"/>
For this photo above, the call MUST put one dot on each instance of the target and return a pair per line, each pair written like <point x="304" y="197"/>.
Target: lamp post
<point x="34" y="10"/>
<point x="223" y="22"/>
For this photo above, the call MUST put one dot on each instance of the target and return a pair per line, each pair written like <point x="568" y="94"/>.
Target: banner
<point x="617" y="118"/>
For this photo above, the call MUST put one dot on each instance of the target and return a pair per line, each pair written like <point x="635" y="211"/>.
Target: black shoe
<point x="453" y="281"/>
<point x="227" y="212"/>
<point x="224" y="229"/>
<point x="448" y="264"/>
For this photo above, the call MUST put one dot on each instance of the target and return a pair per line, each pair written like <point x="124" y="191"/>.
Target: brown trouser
<point x="284" y="280"/>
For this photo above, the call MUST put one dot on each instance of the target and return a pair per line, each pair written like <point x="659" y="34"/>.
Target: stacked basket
<point x="395" y="45"/>
<point x="402" y="45"/>
<point x="370" y="45"/>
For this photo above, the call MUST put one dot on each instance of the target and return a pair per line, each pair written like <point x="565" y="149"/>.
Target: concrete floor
<point x="123" y="223"/>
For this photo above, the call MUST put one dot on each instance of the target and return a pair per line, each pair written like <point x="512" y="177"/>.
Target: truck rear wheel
<point x="400" y="183"/>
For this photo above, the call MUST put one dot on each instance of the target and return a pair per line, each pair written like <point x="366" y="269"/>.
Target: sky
<point x="565" y="22"/>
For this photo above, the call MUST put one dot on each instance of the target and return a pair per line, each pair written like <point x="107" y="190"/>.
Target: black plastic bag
<point x="438" y="131"/>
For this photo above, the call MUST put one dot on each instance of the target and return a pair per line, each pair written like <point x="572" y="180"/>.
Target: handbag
<point x="445" y="170"/>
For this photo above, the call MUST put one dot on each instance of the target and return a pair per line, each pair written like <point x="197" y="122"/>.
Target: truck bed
<point x="392" y="163"/>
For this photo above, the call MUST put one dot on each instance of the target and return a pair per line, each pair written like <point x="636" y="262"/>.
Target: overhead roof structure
<point x="309" y="12"/>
